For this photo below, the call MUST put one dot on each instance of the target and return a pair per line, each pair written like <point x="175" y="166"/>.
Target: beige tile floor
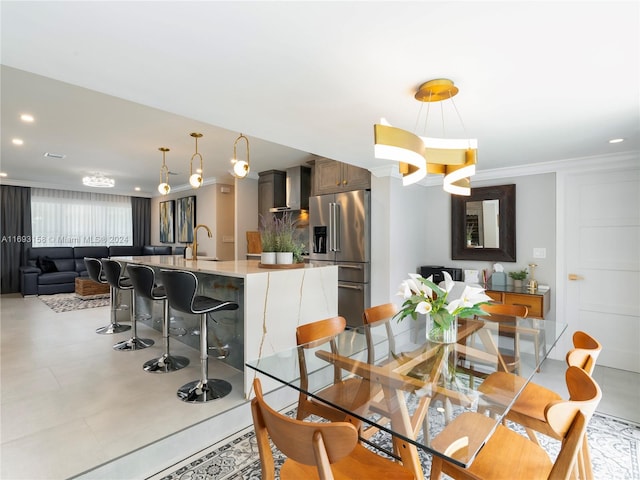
<point x="70" y="403"/>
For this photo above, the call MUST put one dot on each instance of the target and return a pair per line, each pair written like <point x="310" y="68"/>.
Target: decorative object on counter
<point x="164" y="187"/>
<point x="417" y="155"/>
<point x="240" y="167"/>
<point x="185" y="218"/>
<point x="532" y="284"/>
<point x="498" y="277"/>
<point x="518" y="277"/>
<point x="278" y="233"/>
<point x="195" y="179"/>
<point x="423" y="296"/>
<point x="166" y="222"/>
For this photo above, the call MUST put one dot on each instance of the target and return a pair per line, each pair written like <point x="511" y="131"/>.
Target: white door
<point x="602" y="262"/>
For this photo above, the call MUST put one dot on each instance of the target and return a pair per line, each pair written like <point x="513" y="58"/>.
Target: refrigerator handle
<point x="336" y="227"/>
<point x="330" y="235"/>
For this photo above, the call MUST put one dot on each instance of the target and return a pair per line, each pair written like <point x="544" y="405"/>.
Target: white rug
<point x="66" y="302"/>
<point x="614" y="452"/>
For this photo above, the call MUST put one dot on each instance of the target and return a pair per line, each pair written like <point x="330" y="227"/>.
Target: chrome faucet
<point x="194" y="247"/>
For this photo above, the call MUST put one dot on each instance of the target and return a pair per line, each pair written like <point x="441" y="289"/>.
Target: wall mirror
<point x="483" y="225"/>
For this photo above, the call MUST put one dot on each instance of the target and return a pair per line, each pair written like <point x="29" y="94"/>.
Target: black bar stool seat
<point x="95" y="271"/>
<point x="113" y="273"/>
<point x="144" y="284"/>
<point x="181" y="287"/>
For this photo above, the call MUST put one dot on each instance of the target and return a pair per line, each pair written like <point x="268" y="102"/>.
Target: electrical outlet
<point x="539" y="253"/>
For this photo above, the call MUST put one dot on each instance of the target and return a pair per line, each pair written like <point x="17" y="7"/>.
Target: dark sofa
<point x="54" y="269"/>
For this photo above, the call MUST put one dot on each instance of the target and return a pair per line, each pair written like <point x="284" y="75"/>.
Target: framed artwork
<point x="185" y="218"/>
<point x="166" y="222"/>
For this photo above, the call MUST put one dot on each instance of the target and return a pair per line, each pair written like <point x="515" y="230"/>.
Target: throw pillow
<point x="47" y="265"/>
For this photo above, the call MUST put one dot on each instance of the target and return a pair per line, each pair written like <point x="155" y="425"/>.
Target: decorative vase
<point x="439" y="334"/>
<point x="284" y="258"/>
<point x="268" y="258"/>
<point x="517" y="283"/>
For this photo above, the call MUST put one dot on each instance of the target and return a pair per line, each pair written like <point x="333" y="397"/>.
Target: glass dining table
<point x="412" y="387"/>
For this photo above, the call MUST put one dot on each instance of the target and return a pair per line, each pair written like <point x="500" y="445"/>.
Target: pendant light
<point x="164" y="187"/>
<point x="195" y="179"/>
<point x="240" y="167"/>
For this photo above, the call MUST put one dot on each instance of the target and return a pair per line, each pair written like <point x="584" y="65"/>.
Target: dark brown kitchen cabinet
<point x="271" y="191"/>
<point x="331" y="176"/>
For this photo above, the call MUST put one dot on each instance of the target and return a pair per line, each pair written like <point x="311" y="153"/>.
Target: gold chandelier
<point x="164" y="187"/>
<point x="195" y="179"/>
<point x="417" y="156"/>
<point x="240" y="167"/>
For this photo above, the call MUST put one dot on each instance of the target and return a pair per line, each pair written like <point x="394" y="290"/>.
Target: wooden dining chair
<point x="507" y="454"/>
<point x="352" y="392"/>
<point x="315" y="450"/>
<point x="529" y="408"/>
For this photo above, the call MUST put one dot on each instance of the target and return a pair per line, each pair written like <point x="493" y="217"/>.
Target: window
<point x="61" y="218"/>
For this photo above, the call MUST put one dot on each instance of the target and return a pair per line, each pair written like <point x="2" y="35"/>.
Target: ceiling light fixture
<point x="417" y="156"/>
<point x="240" y="167"/>
<point x="616" y="140"/>
<point x="17" y="141"/>
<point x="25" y="117"/>
<point x="195" y="179"/>
<point x="164" y="187"/>
<point x="98" y="180"/>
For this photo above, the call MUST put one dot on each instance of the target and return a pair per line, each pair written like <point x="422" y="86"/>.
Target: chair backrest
<point x="112" y="272"/>
<point x="181" y="287"/>
<point x="379" y="315"/>
<point x="314" y="334"/>
<point x="143" y="279"/>
<point x="585" y="352"/>
<point x="94" y="269"/>
<point x="309" y="443"/>
<point x="584" y="397"/>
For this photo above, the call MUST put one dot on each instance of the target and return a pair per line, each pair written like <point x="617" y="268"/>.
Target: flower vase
<point x="438" y="333"/>
<point x="268" y="258"/>
<point x="284" y="258"/>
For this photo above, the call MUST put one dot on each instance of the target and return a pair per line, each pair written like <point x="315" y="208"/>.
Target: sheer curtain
<point x="62" y="218"/>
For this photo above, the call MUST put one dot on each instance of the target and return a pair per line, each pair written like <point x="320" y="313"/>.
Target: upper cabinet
<point x="331" y="176"/>
<point x="271" y="191"/>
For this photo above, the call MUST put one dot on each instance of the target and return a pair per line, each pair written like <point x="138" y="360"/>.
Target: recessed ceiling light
<point x="3" y="174"/>
<point x="616" y="140"/>
<point x="25" y="117"/>
<point x="17" y="141"/>
<point x="137" y="189"/>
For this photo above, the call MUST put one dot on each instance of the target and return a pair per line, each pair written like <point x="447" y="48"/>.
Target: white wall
<point x="246" y="198"/>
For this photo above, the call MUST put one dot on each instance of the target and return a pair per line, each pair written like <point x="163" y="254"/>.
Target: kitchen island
<point x="272" y="303"/>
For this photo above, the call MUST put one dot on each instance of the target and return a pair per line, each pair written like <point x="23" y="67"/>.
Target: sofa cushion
<point x="47" y="265"/>
<point x="51" y="252"/>
<point x="156" y="250"/>
<point x="125" y="251"/>
<point x="55" y="278"/>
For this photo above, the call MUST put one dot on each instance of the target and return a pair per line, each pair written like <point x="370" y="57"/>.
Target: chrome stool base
<point x="133" y="344"/>
<point x="199" y="392"/>
<point x="113" y="328"/>
<point x="165" y="364"/>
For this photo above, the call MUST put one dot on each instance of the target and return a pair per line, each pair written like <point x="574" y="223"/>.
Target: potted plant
<point x="268" y="239"/>
<point x="518" y="277"/>
<point x="285" y="228"/>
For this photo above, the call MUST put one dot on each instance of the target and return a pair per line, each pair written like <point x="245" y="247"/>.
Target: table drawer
<point x="534" y="303"/>
<point x="495" y="296"/>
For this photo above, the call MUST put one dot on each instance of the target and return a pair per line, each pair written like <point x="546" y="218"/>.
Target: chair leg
<point x="205" y="389"/>
<point x="166" y="362"/>
<point x="114" y="326"/>
<point x="134" y="343"/>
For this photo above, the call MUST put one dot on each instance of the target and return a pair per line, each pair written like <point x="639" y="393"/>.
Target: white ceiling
<point x="110" y="82"/>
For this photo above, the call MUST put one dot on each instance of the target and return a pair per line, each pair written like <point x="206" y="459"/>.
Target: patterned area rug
<point x="614" y="453"/>
<point x="66" y="302"/>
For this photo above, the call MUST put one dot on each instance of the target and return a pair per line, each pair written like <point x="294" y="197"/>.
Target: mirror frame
<point x="506" y="195"/>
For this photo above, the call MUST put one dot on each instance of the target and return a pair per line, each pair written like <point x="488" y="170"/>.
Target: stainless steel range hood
<point x="298" y="186"/>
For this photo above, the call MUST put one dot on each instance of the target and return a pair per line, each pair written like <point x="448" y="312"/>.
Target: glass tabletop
<point x="411" y="388"/>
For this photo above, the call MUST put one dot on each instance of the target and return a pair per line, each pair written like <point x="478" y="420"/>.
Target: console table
<point x="537" y="302"/>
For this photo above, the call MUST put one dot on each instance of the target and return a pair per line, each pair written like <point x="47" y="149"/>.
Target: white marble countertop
<point x="232" y="268"/>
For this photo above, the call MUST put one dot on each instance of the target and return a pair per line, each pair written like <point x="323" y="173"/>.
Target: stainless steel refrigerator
<point x="340" y="234"/>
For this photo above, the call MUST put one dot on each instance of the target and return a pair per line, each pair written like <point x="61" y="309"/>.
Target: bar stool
<point x="143" y="280"/>
<point x="94" y="269"/>
<point x="113" y="273"/>
<point x="181" y="288"/>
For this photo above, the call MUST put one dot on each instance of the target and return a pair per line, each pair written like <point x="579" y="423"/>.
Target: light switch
<point x="539" y="253"/>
